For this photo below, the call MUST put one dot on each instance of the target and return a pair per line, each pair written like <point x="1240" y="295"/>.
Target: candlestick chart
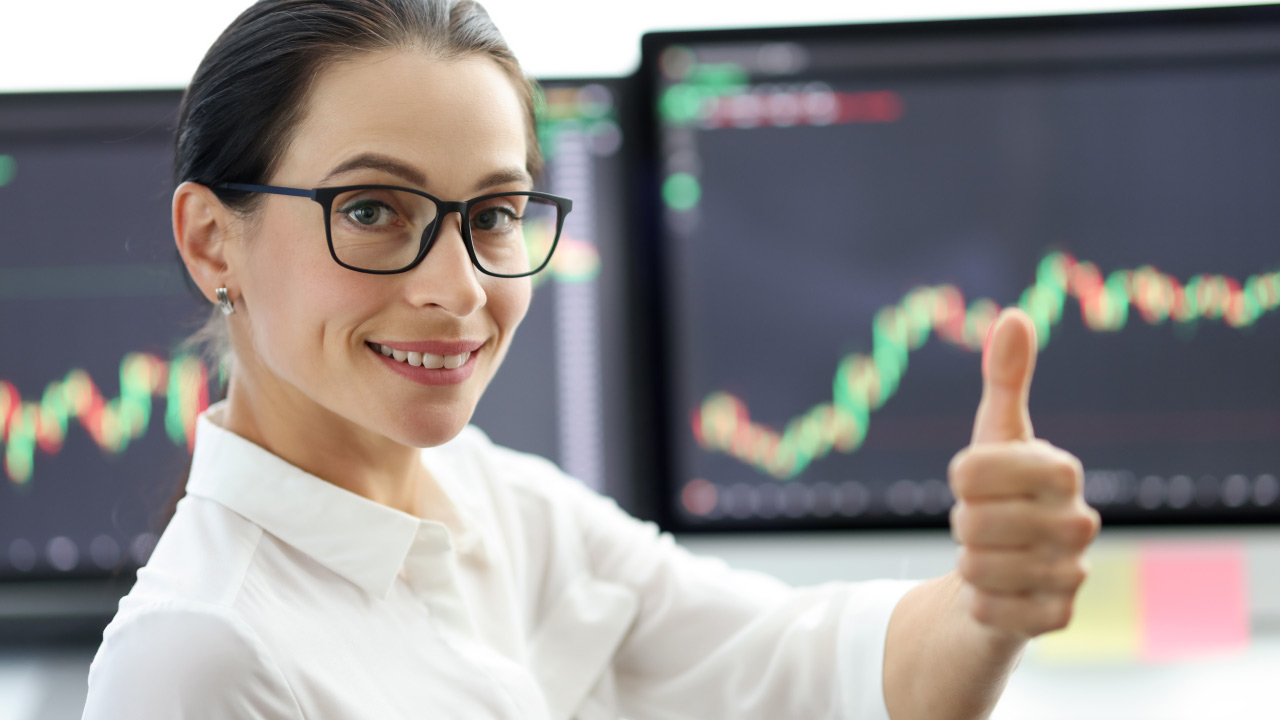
<point x="112" y="423"/>
<point x="864" y="382"/>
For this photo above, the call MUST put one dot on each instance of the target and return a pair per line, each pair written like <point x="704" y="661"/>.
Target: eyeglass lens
<point x="382" y="230"/>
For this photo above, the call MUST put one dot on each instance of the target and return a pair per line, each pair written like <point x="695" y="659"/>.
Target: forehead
<point x="454" y="120"/>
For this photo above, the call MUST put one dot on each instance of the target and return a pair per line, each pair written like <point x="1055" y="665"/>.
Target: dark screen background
<point x="801" y="234"/>
<point x="85" y="279"/>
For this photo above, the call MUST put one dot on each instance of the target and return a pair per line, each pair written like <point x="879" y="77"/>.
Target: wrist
<point x="992" y="644"/>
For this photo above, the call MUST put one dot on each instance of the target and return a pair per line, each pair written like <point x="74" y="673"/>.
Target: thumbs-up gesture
<point x="1020" y="516"/>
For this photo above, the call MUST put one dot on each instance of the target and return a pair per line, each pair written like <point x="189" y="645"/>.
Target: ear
<point x="201" y="229"/>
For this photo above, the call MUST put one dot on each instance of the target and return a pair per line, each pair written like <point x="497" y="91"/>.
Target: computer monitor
<point x="98" y="397"/>
<point x="841" y="211"/>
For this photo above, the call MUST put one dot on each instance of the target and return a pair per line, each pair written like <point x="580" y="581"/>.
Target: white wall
<point x="91" y="44"/>
<point x="1239" y="685"/>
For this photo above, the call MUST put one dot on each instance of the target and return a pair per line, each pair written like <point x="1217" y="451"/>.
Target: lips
<point x="429" y="362"/>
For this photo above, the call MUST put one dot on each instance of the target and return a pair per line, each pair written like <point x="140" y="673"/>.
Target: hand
<point x="1020" y="516"/>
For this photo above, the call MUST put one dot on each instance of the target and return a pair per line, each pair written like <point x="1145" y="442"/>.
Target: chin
<point x="429" y="428"/>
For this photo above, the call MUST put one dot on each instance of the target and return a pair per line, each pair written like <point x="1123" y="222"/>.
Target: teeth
<point x="426" y="360"/>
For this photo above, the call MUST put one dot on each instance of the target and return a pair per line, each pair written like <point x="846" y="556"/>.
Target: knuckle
<point x="1074" y="575"/>
<point x="1059" y="615"/>
<point x="1068" y="475"/>
<point x="959" y="473"/>
<point x="1095" y="520"/>
<point x="1078" y="529"/>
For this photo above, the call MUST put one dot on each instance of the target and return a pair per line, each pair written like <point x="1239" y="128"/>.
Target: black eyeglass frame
<point x="324" y="196"/>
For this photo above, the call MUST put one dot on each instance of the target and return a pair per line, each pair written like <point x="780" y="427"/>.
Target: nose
<point x="446" y="278"/>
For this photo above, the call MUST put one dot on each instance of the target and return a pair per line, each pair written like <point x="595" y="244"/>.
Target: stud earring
<point x="224" y="303"/>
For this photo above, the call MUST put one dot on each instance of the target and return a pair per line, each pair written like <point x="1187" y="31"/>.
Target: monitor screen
<point x="841" y="212"/>
<point x="98" y="398"/>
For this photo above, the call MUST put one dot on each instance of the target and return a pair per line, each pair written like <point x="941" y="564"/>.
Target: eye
<point x="495" y="218"/>
<point x="369" y="212"/>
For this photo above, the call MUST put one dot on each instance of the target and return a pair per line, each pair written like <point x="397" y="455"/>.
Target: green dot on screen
<point x="681" y="191"/>
<point x="8" y="168"/>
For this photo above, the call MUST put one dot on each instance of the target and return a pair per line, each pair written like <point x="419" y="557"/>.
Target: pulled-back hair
<point x="250" y="92"/>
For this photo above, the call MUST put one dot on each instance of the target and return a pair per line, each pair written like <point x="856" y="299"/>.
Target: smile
<point x="423" y="359"/>
<point x="450" y="364"/>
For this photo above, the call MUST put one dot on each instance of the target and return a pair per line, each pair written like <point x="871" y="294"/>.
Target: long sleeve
<point x="711" y="642"/>
<point x="185" y="662"/>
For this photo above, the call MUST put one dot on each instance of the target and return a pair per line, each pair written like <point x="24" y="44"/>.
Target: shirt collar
<point x="361" y="540"/>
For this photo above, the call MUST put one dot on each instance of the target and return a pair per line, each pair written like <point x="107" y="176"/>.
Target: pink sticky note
<point x="1193" y="600"/>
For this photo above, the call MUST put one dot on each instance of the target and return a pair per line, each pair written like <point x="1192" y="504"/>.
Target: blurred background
<point x="793" y="223"/>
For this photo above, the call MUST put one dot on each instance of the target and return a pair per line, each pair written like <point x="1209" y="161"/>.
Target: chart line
<point x="864" y="382"/>
<point x="111" y="423"/>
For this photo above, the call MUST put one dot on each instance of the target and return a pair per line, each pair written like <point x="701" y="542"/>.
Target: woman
<point x="324" y="565"/>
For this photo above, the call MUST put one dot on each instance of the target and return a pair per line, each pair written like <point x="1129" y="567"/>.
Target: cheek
<point x="515" y="299"/>
<point x="299" y="296"/>
<point x="508" y="301"/>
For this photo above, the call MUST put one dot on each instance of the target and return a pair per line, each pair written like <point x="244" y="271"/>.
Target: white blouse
<point x="275" y="594"/>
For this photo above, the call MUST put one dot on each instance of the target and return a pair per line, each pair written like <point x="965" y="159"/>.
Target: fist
<point x="1020" y="517"/>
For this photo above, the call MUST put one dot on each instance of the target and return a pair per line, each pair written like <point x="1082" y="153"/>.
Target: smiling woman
<point x="349" y="547"/>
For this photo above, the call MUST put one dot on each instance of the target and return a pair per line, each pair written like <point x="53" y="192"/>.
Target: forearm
<point x="939" y="663"/>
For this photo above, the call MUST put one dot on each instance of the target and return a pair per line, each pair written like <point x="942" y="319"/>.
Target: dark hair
<point x="250" y="92"/>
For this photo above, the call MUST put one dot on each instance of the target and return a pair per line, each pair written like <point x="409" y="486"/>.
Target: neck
<point x="307" y="435"/>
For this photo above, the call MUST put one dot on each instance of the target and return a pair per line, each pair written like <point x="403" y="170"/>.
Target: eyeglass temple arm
<point x="274" y="190"/>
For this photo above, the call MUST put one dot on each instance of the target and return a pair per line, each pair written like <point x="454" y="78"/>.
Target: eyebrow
<point x="506" y="176"/>
<point x="384" y="163"/>
<point x="410" y="174"/>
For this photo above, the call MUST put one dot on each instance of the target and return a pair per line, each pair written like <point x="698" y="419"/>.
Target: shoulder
<point x="203" y="556"/>
<point x="175" y="636"/>
<point x="184" y="659"/>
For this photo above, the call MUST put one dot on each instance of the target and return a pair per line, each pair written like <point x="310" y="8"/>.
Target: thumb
<point x="1008" y="361"/>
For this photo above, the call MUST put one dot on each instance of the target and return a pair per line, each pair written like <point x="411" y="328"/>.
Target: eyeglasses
<point x="385" y="229"/>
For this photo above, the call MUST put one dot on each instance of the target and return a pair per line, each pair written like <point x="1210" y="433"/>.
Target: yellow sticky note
<point x="1104" y="626"/>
